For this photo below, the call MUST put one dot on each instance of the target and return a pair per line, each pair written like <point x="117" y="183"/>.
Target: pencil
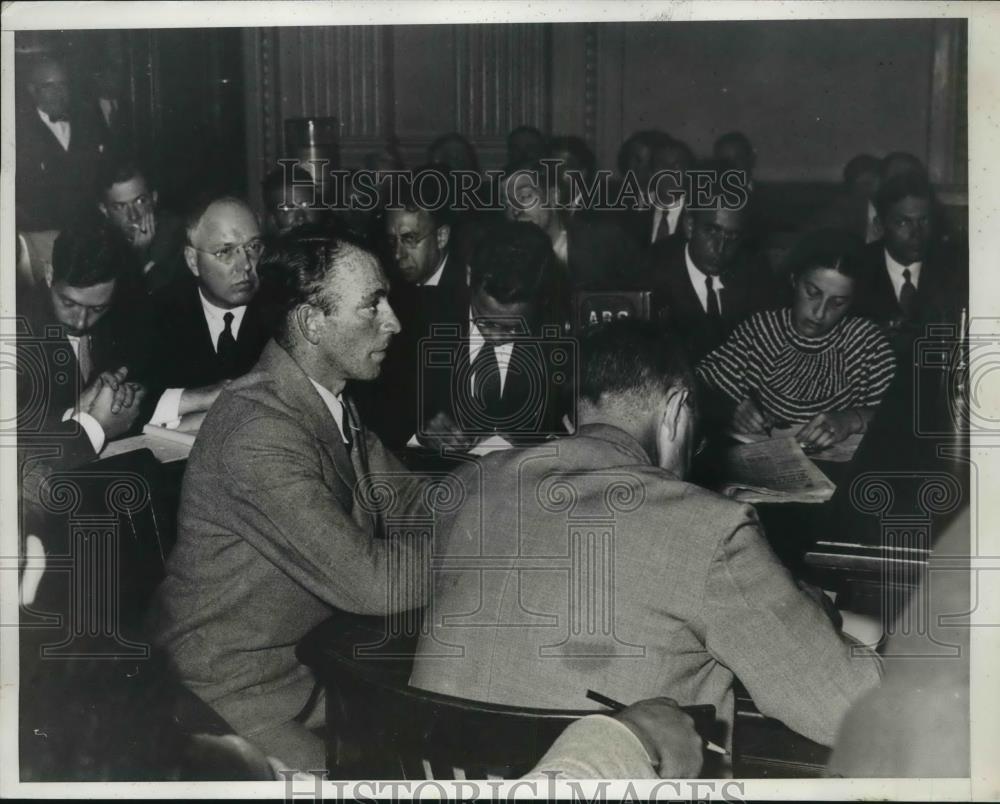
<point x="617" y="706"/>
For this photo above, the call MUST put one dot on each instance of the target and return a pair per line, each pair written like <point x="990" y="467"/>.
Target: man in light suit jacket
<point x="272" y="534"/>
<point x="588" y="563"/>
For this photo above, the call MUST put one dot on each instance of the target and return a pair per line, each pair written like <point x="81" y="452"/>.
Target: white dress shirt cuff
<point x="90" y="425"/>
<point x="167" y="413"/>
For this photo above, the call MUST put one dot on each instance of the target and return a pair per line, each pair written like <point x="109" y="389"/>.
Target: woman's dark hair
<point x="826" y="248"/>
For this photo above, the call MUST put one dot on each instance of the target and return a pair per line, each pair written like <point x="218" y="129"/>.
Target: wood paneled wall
<point x="810" y="94"/>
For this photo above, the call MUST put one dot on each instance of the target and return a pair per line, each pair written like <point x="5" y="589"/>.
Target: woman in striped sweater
<point x="808" y="364"/>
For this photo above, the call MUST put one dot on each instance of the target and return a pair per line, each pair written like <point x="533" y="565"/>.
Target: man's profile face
<point x="415" y="243"/>
<point x="79" y="309"/>
<point x="357" y="333"/>
<point x="906" y="230"/>
<point x="49" y="89"/>
<point x="126" y="203"/>
<point x="714" y="238"/>
<point x="223" y="254"/>
<point x="291" y="207"/>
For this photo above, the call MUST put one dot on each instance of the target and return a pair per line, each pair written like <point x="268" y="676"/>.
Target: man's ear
<point x="674" y="410"/>
<point x="443" y="236"/>
<point x="191" y="258"/>
<point x="48" y="274"/>
<point x="307" y="322"/>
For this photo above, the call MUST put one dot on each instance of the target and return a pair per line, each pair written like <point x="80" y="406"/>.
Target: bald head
<point x="222" y="252"/>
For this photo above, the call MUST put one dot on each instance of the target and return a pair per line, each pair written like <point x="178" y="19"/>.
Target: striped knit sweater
<point x="793" y="377"/>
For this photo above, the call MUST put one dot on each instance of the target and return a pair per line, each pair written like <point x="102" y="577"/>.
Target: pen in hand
<point x="618" y="706"/>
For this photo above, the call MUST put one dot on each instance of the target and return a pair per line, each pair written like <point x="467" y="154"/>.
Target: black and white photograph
<point x="494" y="400"/>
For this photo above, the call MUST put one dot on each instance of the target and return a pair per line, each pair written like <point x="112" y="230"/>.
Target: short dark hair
<point x="89" y="253"/>
<point x="899" y="187"/>
<point x="737" y="138"/>
<point x="411" y="201"/>
<point x="687" y="154"/>
<point x="718" y="181"/>
<point x="117" y="167"/>
<point x="827" y="248"/>
<point x="859" y="165"/>
<point x="907" y="161"/>
<point x="577" y="148"/>
<point x="276" y="178"/>
<point x="652" y="138"/>
<point x="513" y="263"/>
<point x="525" y="129"/>
<point x="294" y="269"/>
<point x="629" y="356"/>
<point x="454" y="136"/>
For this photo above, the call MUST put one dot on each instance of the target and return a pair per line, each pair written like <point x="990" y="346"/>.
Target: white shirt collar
<point x="61" y="129"/>
<point x="215" y="318"/>
<point x="896" y="269"/>
<point x="697" y="277"/>
<point x="334" y="403"/>
<point x="435" y="279"/>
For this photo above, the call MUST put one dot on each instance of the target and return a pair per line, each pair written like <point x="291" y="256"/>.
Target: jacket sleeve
<point x="778" y="641"/>
<point x="286" y="510"/>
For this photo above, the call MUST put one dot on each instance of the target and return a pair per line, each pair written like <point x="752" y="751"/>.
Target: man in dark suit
<point x="911" y="278"/>
<point x="706" y="284"/>
<point x="74" y="353"/>
<point x="272" y="532"/>
<point x="58" y="147"/>
<point x="852" y="209"/>
<point x="591" y="252"/>
<point x="429" y="287"/>
<point x="659" y="220"/>
<point x="131" y="204"/>
<point x="494" y="370"/>
<point x="206" y="328"/>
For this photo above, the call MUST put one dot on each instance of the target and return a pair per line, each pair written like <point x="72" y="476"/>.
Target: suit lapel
<point x="296" y="388"/>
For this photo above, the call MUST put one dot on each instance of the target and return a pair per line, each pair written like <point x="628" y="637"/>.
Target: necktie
<point x="226" y="348"/>
<point x="486" y="379"/>
<point x="663" y="230"/>
<point x="84" y="359"/>
<point x="907" y="295"/>
<point x="357" y="449"/>
<point x="712" y="298"/>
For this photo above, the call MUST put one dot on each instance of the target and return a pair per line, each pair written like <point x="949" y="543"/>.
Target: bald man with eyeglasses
<point x="208" y="328"/>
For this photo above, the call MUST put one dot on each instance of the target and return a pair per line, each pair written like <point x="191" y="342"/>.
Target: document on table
<point x="775" y="470"/>
<point x="840" y="452"/>
<point x="484" y="447"/>
<point x="166" y="445"/>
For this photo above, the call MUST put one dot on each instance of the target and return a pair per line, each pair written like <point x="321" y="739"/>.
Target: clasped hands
<point x="820" y="432"/>
<point x="112" y="402"/>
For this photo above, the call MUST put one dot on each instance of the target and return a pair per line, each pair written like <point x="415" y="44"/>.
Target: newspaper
<point x="775" y="470"/>
<point x="841" y="452"/>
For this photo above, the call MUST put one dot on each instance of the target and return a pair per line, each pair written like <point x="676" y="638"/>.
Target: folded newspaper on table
<point x="841" y="452"/>
<point x="776" y="470"/>
<point x="167" y="445"/>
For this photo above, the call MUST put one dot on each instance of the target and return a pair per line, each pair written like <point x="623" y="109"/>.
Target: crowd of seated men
<point x="310" y="348"/>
